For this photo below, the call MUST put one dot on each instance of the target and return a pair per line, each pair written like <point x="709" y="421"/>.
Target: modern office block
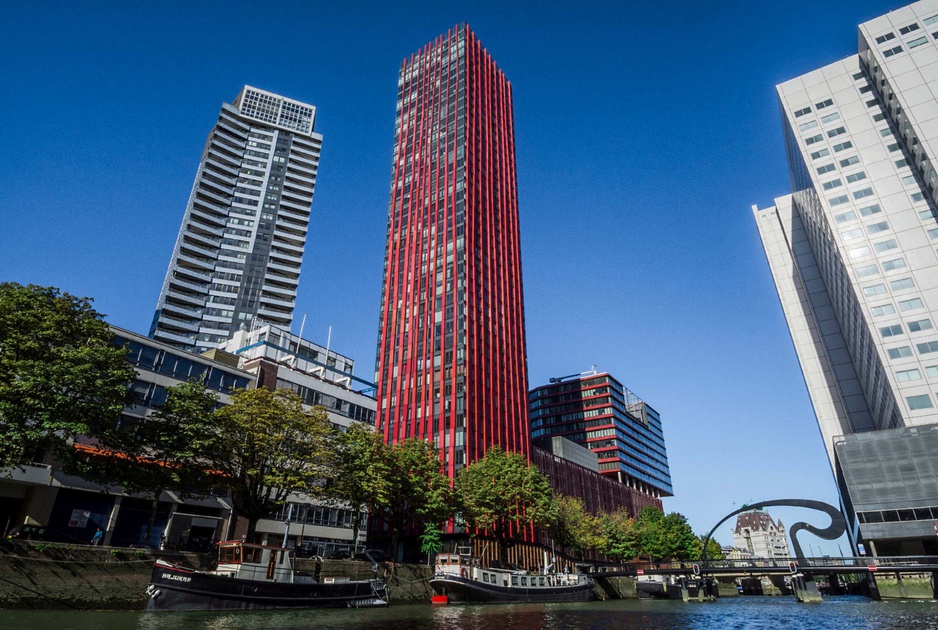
<point x="322" y="377"/>
<point x="451" y="365"/>
<point x="238" y="254"/>
<point x="853" y="248"/>
<point x="596" y="411"/>
<point x="42" y="493"/>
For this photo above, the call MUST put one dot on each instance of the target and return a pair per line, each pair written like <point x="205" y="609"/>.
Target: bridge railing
<point x="750" y="564"/>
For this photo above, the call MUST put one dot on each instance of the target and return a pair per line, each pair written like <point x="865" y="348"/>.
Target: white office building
<point x="321" y="377"/>
<point x="238" y="254"/>
<point x="853" y="254"/>
<point x="758" y="536"/>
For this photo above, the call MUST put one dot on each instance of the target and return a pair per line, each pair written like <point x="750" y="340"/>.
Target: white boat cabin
<point x="459" y="565"/>
<point x="259" y="563"/>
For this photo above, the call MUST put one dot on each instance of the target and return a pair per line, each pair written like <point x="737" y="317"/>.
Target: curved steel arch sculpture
<point x="832" y="532"/>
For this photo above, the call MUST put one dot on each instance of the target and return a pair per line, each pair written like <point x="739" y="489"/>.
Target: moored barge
<point x="250" y="577"/>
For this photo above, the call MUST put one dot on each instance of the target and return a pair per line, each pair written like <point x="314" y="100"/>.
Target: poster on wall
<point x="79" y="518"/>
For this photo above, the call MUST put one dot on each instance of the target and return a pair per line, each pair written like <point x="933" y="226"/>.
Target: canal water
<point x="742" y="613"/>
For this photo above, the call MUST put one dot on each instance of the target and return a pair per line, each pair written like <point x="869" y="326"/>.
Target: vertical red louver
<point x="451" y="364"/>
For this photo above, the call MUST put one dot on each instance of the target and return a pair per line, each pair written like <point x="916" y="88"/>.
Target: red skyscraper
<point x="451" y="362"/>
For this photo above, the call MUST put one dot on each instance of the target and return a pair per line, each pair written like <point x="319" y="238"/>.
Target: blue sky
<point x="645" y="131"/>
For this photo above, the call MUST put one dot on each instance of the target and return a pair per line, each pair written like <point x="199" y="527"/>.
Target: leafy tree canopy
<point x="502" y="493"/>
<point x="60" y="375"/>
<point x="361" y="477"/>
<point x="267" y="446"/>
<point x="416" y="489"/>
<point x="575" y="528"/>
<point x="622" y="536"/>
<point x="665" y="536"/>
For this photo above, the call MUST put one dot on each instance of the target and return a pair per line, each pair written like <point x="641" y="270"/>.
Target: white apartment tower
<point x="240" y="247"/>
<point x="853" y="254"/>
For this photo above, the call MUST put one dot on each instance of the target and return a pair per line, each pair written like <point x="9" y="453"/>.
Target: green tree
<point x="502" y="494"/>
<point x="622" y="536"/>
<point x="575" y="528"/>
<point x="60" y="375"/>
<point x="416" y="489"/>
<point x="431" y="540"/>
<point x="665" y="536"/>
<point x="166" y="451"/>
<point x="650" y="533"/>
<point x="362" y="472"/>
<point x="714" y="550"/>
<point x="267" y="446"/>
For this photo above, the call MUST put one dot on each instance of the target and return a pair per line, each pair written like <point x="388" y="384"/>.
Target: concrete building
<point x="451" y="362"/>
<point x="759" y="536"/>
<point x="238" y="254"/>
<point x="42" y="494"/>
<point x="279" y="359"/>
<point x="596" y="411"/>
<point x="853" y="254"/>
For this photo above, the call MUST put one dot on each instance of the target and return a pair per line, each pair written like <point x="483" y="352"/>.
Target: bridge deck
<point x="820" y="566"/>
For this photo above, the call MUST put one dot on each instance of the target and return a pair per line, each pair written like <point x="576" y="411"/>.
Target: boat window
<point x="231" y="553"/>
<point x="443" y="559"/>
<point x="252" y="554"/>
<point x="524" y="581"/>
<point x="541" y="581"/>
<point x="485" y="577"/>
<point x="514" y="580"/>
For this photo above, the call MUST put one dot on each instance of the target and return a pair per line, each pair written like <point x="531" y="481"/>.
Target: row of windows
<point x="896" y="516"/>
<point x="896" y="329"/>
<point x="906" y="376"/>
<point x="895" y="285"/>
<point x="317" y="515"/>
<point x="312" y="397"/>
<point x="179" y="367"/>
<point x="903" y="352"/>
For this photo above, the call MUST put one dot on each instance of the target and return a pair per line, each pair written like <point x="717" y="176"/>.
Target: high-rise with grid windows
<point x="854" y="255"/>
<point x="451" y="365"/>
<point x="238" y="254"/>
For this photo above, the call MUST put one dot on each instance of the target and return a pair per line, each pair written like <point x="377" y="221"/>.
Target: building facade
<point x="451" y="363"/>
<point x="240" y="247"/>
<point x="596" y="411"/>
<point x="278" y="359"/>
<point x="853" y="249"/>
<point x="42" y="494"/>
<point x="757" y="535"/>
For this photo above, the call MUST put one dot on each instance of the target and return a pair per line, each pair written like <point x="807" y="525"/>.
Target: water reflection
<point x="749" y="613"/>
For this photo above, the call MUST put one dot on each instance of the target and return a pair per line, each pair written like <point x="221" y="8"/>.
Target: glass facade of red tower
<point x="451" y="363"/>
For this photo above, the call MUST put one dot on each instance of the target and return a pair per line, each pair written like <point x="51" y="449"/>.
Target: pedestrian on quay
<point x="96" y="539"/>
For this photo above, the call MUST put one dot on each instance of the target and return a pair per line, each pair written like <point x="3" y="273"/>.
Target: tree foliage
<point x="714" y="550"/>
<point x="267" y="445"/>
<point x="621" y="535"/>
<point x="360" y="479"/>
<point x="416" y="489"/>
<point x="665" y="536"/>
<point x="575" y="528"/>
<point x="166" y="450"/>
<point x="60" y="375"/>
<point x="501" y="494"/>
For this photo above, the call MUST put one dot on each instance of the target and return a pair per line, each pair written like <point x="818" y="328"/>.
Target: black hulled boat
<point x="249" y="577"/>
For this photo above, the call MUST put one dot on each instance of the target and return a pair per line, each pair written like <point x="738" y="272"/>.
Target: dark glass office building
<point x="624" y="431"/>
